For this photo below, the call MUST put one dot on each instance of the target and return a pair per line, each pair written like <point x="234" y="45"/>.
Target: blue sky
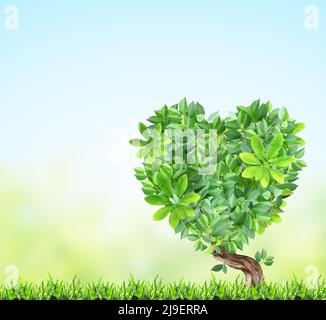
<point x="75" y="70"/>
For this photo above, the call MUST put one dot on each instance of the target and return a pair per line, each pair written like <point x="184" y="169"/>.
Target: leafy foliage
<point x="256" y="163"/>
<point x="261" y="256"/>
<point x="219" y="267"/>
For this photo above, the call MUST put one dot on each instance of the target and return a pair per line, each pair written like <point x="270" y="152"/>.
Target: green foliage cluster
<point x="135" y="289"/>
<point x="261" y="256"/>
<point x="258" y="159"/>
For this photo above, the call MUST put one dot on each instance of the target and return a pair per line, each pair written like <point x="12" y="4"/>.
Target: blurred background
<point x="75" y="77"/>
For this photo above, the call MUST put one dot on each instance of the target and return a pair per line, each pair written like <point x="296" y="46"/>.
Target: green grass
<point x="134" y="289"/>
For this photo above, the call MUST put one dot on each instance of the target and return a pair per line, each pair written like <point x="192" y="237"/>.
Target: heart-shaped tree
<point x="220" y="181"/>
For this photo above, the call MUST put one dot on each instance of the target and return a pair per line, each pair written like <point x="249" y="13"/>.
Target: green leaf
<point x="154" y="119"/>
<point x="275" y="146"/>
<point x="188" y="212"/>
<point x="253" y="195"/>
<point x="190" y="198"/>
<point x="224" y="268"/>
<point x="164" y="182"/>
<point x="174" y="219"/>
<point x="263" y="110"/>
<point x="264" y="181"/>
<point x="200" y="109"/>
<point x="156" y="200"/>
<point x="286" y="192"/>
<point x="138" y="142"/>
<point x="262" y="207"/>
<point x="264" y="126"/>
<point x="267" y="195"/>
<point x="232" y="124"/>
<point x="245" y="109"/>
<point x="213" y="118"/>
<point x="263" y="217"/>
<point x="167" y="169"/>
<point x="221" y="227"/>
<point x="142" y="153"/>
<point x="263" y="254"/>
<point x="258" y="256"/>
<point x="261" y="229"/>
<point x="282" y="162"/>
<point x="183" y="105"/>
<point x="139" y="170"/>
<point x="250" y="172"/>
<point x="283" y="204"/>
<point x="278" y="176"/>
<point x="299" y="154"/>
<point x="144" y="131"/>
<point x="254" y="109"/>
<point x="259" y="173"/>
<point x="276" y="218"/>
<point x="298" y="127"/>
<point x="217" y="268"/>
<point x="283" y="114"/>
<point x="192" y="237"/>
<point x="148" y="191"/>
<point x="258" y="147"/>
<point x="269" y="261"/>
<point x="158" y="129"/>
<point x="140" y="177"/>
<point x="161" y="213"/>
<point x="194" y="109"/>
<point x="232" y="201"/>
<point x="300" y="141"/>
<point x="200" y="117"/>
<point x="182" y="185"/>
<point x="141" y="127"/>
<point x="178" y="210"/>
<point x="249" y="158"/>
<point x="301" y="163"/>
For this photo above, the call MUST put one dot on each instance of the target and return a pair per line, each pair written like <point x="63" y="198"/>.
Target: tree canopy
<point x="219" y="181"/>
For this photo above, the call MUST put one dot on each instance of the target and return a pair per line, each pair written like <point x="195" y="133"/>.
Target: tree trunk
<point x="249" y="266"/>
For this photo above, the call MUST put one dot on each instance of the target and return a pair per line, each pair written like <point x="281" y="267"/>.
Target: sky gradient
<point x="77" y="76"/>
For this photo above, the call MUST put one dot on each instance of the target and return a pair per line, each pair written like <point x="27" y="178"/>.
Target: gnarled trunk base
<point x="249" y="266"/>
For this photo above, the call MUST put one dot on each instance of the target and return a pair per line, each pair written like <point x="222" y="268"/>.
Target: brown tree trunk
<point x="249" y="266"/>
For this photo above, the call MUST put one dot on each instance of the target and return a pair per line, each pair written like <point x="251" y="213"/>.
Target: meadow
<point x="157" y="290"/>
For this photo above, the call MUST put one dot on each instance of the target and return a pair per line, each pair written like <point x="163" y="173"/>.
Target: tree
<point x="219" y="182"/>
